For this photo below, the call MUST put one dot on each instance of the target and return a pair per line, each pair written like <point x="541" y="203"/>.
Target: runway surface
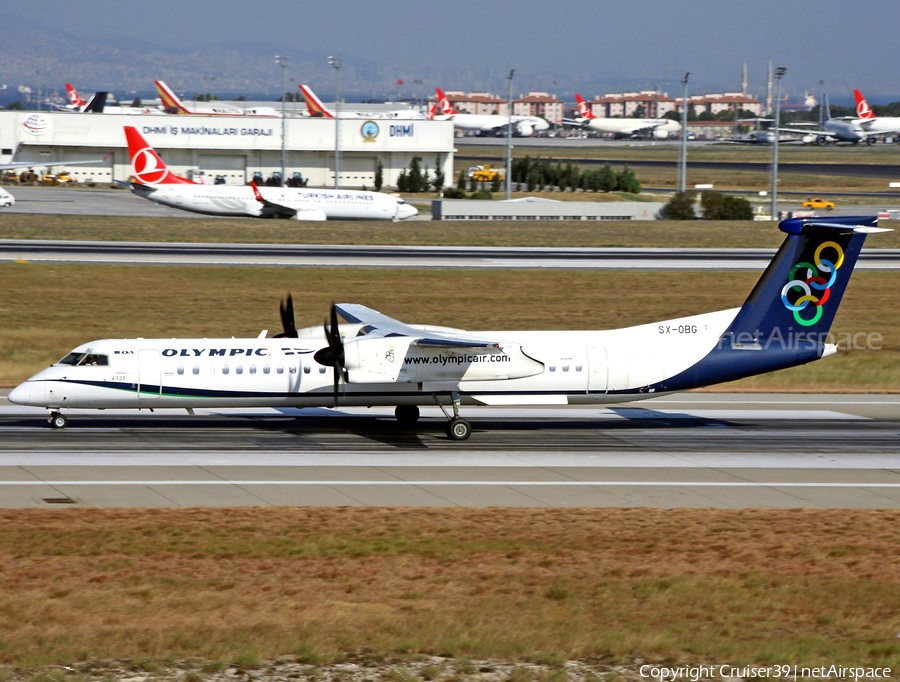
<point x="689" y="450"/>
<point x="159" y="253"/>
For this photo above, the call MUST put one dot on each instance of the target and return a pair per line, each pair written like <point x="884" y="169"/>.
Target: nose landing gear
<point x="58" y="420"/>
<point x="457" y="428"/>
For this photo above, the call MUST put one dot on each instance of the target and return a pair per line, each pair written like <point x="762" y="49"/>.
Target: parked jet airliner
<point x="872" y="124"/>
<point x="171" y="104"/>
<point x="525" y="126"/>
<point x="318" y="109"/>
<point x="659" y="128"/>
<point x="154" y="181"/>
<point x="373" y="359"/>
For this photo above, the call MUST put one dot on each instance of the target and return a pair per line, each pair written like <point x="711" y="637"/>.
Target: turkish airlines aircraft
<point x="372" y="359"/>
<point x="97" y="105"/>
<point x="154" y="181"/>
<point x="171" y="104"/>
<point x="525" y="126"/>
<point x="870" y="123"/>
<point x="660" y="128"/>
<point x="318" y="109"/>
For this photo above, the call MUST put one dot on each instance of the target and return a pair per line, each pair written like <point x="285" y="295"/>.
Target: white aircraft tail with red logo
<point x="446" y="108"/>
<point x="149" y="168"/>
<point x="74" y="97"/>
<point x="314" y="104"/>
<point x="863" y="110"/>
<point x="584" y="111"/>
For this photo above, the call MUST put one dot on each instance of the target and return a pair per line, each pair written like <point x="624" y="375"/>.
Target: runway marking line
<point x="663" y="484"/>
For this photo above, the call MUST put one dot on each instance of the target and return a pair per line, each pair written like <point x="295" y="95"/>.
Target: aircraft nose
<point x="17" y="395"/>
<point x="407" y="211"/>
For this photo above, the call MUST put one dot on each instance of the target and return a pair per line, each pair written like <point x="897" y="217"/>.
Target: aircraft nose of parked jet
<point x="406" y="211"/>
<point x="17" y="395"/>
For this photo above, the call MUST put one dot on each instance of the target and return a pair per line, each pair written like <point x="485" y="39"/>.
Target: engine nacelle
<point x="525" y="130"/>
<point x="307" y="214"/>
<point x="660" y="134"/>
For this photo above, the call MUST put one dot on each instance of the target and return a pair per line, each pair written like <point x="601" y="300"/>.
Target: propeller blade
<point x="287" y="319"/>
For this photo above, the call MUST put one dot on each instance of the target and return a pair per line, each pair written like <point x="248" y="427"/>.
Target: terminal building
<point x="237" y="148"/>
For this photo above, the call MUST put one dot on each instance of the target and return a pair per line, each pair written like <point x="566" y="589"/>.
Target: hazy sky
<point x="844" y="44"/>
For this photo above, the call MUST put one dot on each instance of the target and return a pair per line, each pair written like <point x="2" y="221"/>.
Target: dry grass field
<point x="657" y="233"/>
<point x="46" y="310"/>
<point x="752" y="586"/>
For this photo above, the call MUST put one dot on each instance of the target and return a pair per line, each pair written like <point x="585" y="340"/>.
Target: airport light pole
<point x="684" y="108"/>
<point x="509" y="80"/>
<point x="281" y="60"/>
<point x="337" y="63"/>
<point x="779" y="73"/>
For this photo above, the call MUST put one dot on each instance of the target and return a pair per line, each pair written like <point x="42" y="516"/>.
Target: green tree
<point x="718" y="206"/>
<point x="627" y="181"/>
<point x="639" y="111"/>
<point x="706" y="116"/>
<point x="461" y="181"/>
<point x="680" y="207"/>
<point x="672" y="115"/>
<point x="608" y="179"/>
<point x="16" y="106"/>
<point x="417" y="181"/>
<point x="438" y="181"/>
<point x="379" y="177"/>
<point x="403" y="181"/>
<point x="495" y="183"/>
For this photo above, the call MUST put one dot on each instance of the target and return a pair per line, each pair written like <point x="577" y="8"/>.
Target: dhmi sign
<point x="402" y="130"/>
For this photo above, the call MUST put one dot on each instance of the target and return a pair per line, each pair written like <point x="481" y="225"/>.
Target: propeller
<point x="333" y="354"/>
<point x="287" y="319"/>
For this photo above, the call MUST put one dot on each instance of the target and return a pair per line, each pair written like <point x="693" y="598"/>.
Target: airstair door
<point x="149" y="374"/>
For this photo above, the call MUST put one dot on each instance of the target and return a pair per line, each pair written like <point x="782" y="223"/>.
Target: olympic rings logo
<point x="815" y="280"/>
<point x="389" y="355"/>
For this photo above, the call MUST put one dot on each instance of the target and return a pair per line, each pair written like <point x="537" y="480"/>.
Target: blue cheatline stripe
<point x="180" y="392"/>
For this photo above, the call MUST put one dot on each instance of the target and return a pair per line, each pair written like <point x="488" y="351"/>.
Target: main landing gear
<point x="58" y="420"/>
<point x="457" y="428"/>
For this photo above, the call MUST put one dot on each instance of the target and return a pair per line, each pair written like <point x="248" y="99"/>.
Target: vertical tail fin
<point x="584" y="111"/>
<point x="97" y="103"/>
<point x="432" y="113"/>
<point x="444" y="103"/>
<point x="826" y="110"/>
<point x="863" y="110"/>
<point x="786" y="319"/>
<point x="169" y="99"/>
<point x="314" y="104"/>
<point x="149" y="168"/>
<point x="74" y="97"/>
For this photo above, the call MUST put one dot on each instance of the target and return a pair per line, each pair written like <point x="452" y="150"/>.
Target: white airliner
<point x="372" y="359"/>
<point x="496" y="124"/>
<point x="870" y="123"/>
<point x="97" y="105"/>
<point x="318" y="109"/>
<point x="843" y="129"/>
<point x="171" y="104"/>
<point x="660" y="128"/>
<point x="154" y="181"/>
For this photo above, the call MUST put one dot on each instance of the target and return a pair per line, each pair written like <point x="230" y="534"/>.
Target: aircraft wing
<point x="48" y="164"/>
<point x="380" y="325"/>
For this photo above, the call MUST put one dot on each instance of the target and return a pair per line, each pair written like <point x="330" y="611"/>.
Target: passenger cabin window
<point x="239" y="369"/>
<point x="196" y="369"/>
<point x="85" y="360"/>
<point x="280" y="370"/>
<point x="252" y="369"/>
<point x="224" y="369"/>
<point x="292" y="369"/>
<point x="552" y="368"/>
<point x="180" y="369"/>
<point x="265" y="369"/>
<point x="306" y="369"/>
<point x="321" y="370"/>
<point x="565" y="368"/>
<point x="578" y="368"/>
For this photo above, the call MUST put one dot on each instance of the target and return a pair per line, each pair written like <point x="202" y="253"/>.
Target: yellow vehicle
<point x="64" y="176"/>
<point x="49" y="179"/>
<point x="818" y="203"/>
<point x="483" y="173"/>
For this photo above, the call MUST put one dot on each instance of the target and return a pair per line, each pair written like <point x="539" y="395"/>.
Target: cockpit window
<point x="85" y="360"/>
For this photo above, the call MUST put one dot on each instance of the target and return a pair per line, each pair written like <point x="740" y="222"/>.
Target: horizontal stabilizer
<point x="859" y="224"/>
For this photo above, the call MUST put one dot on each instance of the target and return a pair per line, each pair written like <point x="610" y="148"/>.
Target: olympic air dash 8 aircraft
<point x="376" y="360"/>
<point x="154" y="181"/>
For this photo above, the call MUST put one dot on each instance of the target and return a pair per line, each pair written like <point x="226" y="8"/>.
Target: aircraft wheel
<point x="870" y="140"/>
<point x="58" y="421"/>
<point x="407" y="415"/>
<point x="822" y="141"/>
<point x="458" y="429"/>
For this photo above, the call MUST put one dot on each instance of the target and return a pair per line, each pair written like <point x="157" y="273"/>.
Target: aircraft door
<point x="149" y="374"/>
<point x="598" y="369"/>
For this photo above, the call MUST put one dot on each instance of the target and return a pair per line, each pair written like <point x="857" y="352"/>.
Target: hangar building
<point x="235" y="147"/>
